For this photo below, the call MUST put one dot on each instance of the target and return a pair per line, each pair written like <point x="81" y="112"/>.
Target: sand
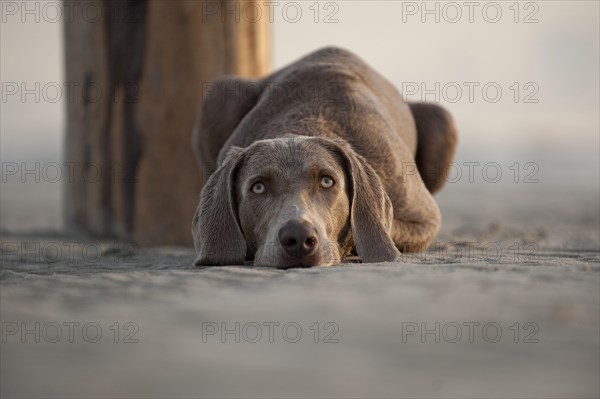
<point x="505" y="304"/>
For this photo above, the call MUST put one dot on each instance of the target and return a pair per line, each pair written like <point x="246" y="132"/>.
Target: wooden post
<point x="142" y="69"/>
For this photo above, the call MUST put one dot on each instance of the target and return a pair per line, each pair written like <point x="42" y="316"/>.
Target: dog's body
<point x="315" y="161"/>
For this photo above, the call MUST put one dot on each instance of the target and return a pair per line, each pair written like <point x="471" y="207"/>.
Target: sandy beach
<point x="505" y="303"/>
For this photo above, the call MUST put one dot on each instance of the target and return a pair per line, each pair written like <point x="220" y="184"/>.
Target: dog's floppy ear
<point x="218" y="238"/>
<point x="371" y="210"/>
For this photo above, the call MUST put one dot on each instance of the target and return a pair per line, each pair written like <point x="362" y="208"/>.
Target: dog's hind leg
<point x="436" y="142"/>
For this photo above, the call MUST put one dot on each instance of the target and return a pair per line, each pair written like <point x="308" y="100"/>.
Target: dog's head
<point x="293" y="202"/>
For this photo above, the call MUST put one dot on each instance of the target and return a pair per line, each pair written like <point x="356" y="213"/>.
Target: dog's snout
<point x="298" y="238"/>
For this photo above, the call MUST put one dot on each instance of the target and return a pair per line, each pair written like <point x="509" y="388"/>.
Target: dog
<point x="320" y="161"/>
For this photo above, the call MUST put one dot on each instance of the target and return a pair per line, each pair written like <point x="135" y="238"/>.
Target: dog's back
<point x="332" y="93"/>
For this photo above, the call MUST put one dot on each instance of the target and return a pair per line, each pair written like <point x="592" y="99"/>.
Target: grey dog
<point x="317" y="162"/>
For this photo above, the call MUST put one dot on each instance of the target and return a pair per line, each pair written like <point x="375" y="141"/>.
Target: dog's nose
<point x="298" y="238"/>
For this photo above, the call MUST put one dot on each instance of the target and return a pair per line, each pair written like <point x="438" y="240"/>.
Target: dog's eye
<point x="258" y="188"/>
<point x="327" y="182"/>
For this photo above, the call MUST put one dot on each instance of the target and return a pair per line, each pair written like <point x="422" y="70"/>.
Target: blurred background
<point x="542" y="56"/>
